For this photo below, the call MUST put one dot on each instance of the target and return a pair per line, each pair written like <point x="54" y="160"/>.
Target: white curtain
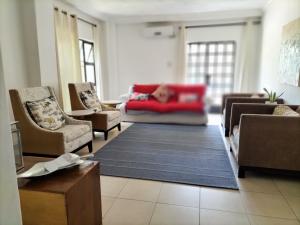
<point x="68" y="55"/>
<point x="248" y="60"/>
<point x="182" y="55"/>
<point x="96" y="40"/>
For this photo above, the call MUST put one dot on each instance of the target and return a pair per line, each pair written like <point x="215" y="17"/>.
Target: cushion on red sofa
<point x="171" y="106"/>
<point x="145" y="88"/>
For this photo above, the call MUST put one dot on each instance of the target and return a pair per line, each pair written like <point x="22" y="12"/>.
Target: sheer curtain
<point x="68" y="55"/>
<point x="182" y="58"/>
<point x="248" y="64"/>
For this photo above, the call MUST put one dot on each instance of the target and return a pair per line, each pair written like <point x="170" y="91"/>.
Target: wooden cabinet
<point x="67" y="197"/>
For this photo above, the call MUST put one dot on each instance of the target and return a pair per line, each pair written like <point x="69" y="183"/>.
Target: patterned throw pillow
<point x="162" y="94"/>
<point x="46" y="113"/>
<point x="139" y="96"/>
<point x="90" y="100"/>
<point x="283" y="110"/>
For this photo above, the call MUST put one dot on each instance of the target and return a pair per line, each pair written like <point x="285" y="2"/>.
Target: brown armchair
<point x="229" y="99"/>
<point x="259" y="139"/>
<point x="103" y="121"/>
<point x="74" y="135"/>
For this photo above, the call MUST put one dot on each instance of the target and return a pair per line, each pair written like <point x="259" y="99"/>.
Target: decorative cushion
<point x="161" y="94"/>
<point x="283" y="110"/>
<point x="188" y="97"/>
<point x="72" y="132"/>
<point x="139" y="96"/>
<point x="46" y="113"/>
<point x="298" y="110"/>
<point x="90" y="100"/>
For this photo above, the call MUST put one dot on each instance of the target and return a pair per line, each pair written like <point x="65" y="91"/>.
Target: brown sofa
<point x="229" y="99"/>
<point x="104" y="121"/>
<point x="74" y="135"/>
<point x="259" y="139"/>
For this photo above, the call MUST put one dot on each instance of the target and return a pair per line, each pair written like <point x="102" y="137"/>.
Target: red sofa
<point x="172" y="111"/>
<point x="173" y="105"/>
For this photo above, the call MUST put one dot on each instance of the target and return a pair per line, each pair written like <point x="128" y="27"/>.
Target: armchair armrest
<point x="269" y="141"/>
<point x="72" y="121"/>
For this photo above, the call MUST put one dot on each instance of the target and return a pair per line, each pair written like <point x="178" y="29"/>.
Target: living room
<point x="167" y="112"/>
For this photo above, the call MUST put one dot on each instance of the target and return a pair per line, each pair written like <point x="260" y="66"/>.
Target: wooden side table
<point x="67" y="197"/>
<point x="111" y="103"/>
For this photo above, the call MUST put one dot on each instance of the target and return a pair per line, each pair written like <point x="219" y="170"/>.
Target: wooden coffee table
<point x="111" y="103"/>
<point x="66" y="197"/>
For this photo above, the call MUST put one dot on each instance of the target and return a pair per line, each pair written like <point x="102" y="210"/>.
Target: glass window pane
<point x="90" y="73"/>
<point x="202" y="48"/>
<point x="89" y="52"/>
<point x="193" y="48"/>
<point x="229" y="47"/>
<point x="212" y="48"/>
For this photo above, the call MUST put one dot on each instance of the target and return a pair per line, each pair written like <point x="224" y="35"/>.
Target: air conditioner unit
<point x="159" y="31"/>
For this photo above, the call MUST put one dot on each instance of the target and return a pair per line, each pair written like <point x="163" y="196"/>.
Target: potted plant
<point x="272" y="96"/>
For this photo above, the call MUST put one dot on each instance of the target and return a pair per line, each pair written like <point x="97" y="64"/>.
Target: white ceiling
<point x="142" y="8"/>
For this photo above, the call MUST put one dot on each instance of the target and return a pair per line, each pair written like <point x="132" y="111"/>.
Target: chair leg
<point x="226" y="132"/>
<point x="241" y="172"/>
<point x="90" y="146"/>
<point x="105" y="135"/>
<point x="119" y="126"/>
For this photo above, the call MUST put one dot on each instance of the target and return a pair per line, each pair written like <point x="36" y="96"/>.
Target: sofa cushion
<point x="171" y="106"/>
<point x="90" y="100"/>
<point x="111" y="115"/>
<point x="162" y="94"/>
<point x="188" y="97"/>
<point x="72" y="132"/>
<point x="145" y="88"/>
<point x="298" y="110"/>
<point x="139" y="96"/>
<point x="283" y="110"/>
<point x="46" y="113"/>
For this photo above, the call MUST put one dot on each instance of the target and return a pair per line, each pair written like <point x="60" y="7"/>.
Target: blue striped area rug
<point x="173" y="153"/>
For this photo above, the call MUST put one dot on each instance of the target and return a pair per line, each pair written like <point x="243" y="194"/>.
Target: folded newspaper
<point x="64" y="161"/>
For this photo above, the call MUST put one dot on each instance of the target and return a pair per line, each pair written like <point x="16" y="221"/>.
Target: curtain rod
<point x="222" y="25"/>
<point x="83" y="20"/>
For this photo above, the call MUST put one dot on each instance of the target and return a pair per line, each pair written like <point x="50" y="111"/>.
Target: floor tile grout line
<point x="286" y="200"/>
<point x="109" y="207"/>
<point x="154" y="207"/>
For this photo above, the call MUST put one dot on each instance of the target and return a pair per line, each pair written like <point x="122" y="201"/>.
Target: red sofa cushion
<point x="171" y="106"/>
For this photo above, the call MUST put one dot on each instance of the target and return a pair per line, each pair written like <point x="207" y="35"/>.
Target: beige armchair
<point x="72" y="136"/>
<point x="259" y="139"/>
<point x="103" y="121"/>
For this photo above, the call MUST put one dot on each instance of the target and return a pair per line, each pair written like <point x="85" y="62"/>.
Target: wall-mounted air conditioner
<point x="159" y="31"/>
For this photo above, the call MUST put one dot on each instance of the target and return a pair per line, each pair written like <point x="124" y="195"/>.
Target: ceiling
<point x="142" y="8"/>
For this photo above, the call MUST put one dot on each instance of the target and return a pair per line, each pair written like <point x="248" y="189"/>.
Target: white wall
<point x="154" y="60"/>
<point x="12" y="74"/>
<point x="277" y="14"/>
<point x="144" y="60"/>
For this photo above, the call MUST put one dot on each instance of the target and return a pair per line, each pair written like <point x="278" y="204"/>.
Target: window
<point x="87" y="61"/>
<point x="212" y="63"/>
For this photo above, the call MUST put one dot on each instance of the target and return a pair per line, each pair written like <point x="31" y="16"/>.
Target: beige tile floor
<point x="262" y="199"/>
